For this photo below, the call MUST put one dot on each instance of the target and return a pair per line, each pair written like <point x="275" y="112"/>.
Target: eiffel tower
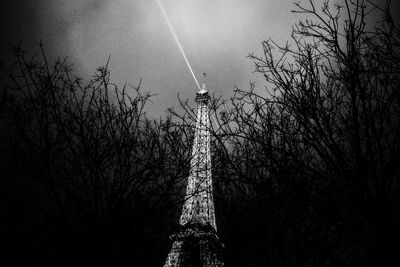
<point x="197" y="243"/>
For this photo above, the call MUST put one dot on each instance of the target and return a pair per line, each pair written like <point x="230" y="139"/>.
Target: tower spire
<point x="203" y="88"/>
<point x="197" y="243"/>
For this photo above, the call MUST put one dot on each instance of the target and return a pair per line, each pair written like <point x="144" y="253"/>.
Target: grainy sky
<point x="216" y="35"/>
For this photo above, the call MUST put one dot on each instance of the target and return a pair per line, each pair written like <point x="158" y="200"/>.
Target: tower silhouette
<point x="196" y="243"/>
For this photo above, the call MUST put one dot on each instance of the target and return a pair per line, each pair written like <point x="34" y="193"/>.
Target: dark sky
<point x="216" y="35"/>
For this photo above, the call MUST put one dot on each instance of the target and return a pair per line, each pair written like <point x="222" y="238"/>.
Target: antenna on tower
<point x="203" y="89"/>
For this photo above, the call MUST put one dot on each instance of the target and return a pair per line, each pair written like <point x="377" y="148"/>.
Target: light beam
<point x="160" y="5"/>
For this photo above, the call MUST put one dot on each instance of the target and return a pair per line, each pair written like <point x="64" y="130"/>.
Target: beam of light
<point x="160" y="5"/>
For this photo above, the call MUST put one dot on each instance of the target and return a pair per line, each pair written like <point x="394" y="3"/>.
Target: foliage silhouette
<point x="306" y="172"/>
<point x="97" y="178"/>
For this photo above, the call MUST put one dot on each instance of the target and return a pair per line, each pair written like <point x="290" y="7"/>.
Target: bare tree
<point x="104" y="176"/>
<point x="316" y="156"/>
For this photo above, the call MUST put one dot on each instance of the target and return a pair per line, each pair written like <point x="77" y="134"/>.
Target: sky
<point x="217" y="36"/>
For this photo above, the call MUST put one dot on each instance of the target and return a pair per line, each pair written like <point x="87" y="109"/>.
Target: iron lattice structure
<point x="197" y="243"/>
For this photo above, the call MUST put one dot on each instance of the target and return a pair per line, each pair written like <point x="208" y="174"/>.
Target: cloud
<point x="18" y="22"/>
<point x="216" y="36"/>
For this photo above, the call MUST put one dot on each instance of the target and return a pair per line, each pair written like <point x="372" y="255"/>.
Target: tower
<point x="196" y="243"/>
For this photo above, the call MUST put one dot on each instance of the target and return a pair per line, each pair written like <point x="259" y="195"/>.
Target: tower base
<point x="195" y="246"/>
